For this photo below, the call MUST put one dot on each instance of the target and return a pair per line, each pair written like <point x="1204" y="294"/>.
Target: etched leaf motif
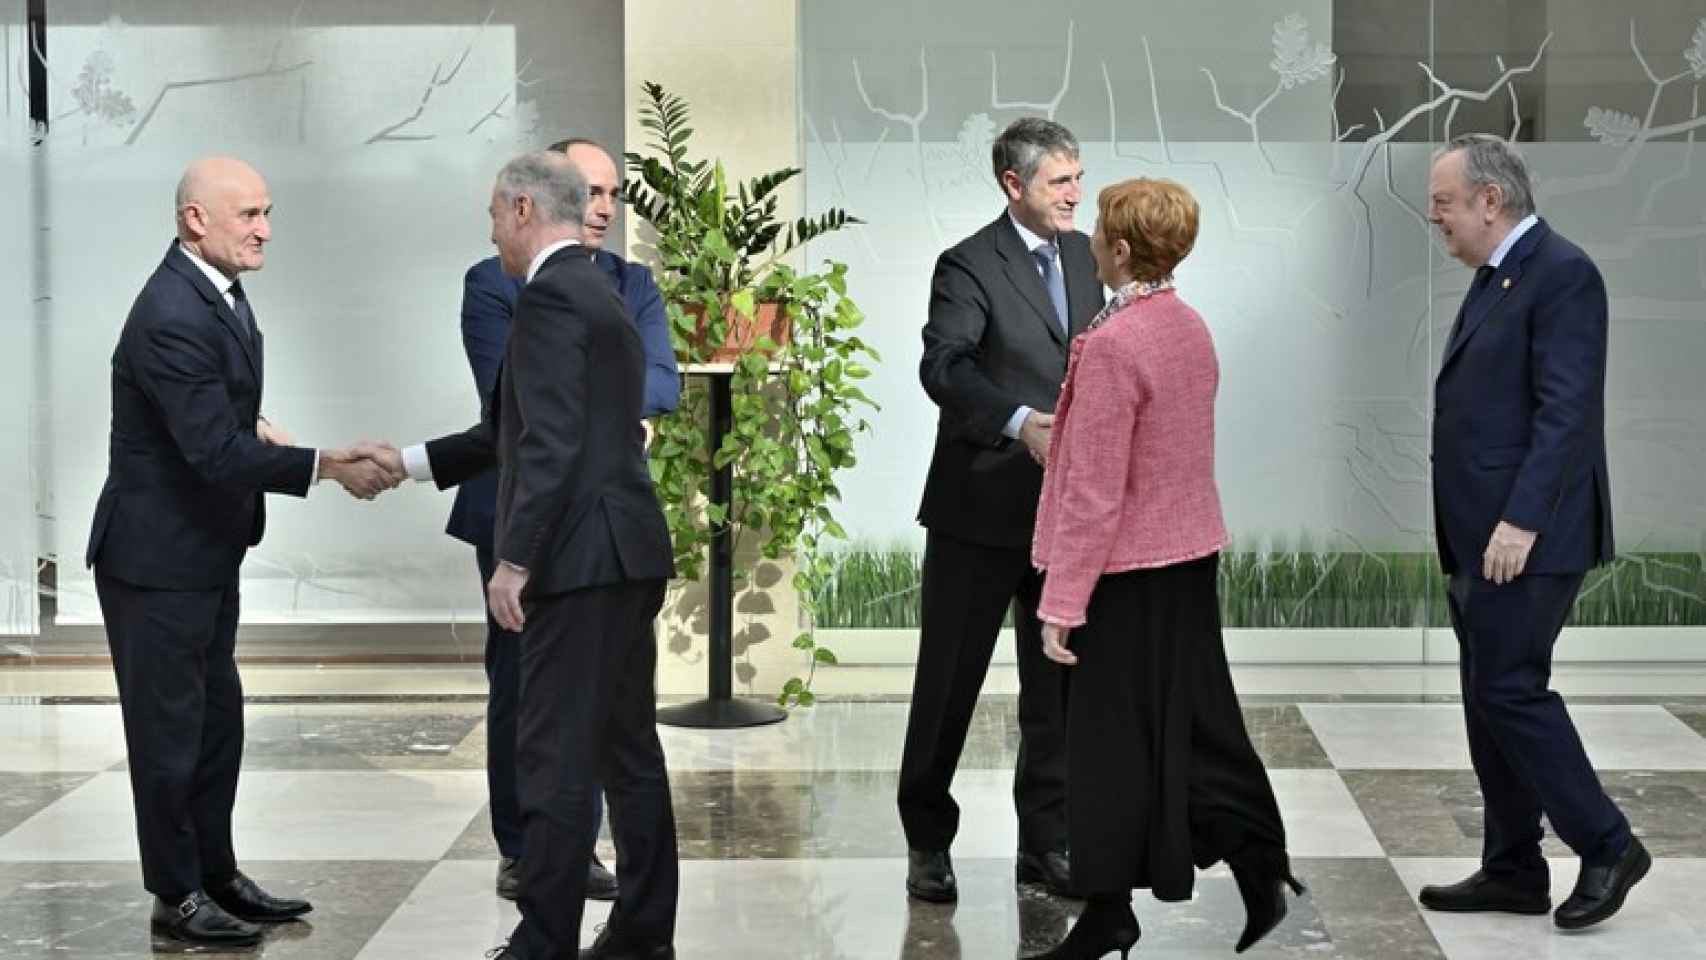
<point x="94" y="93"/>
<point x="1696" y="52"/>
<point x="976" y="134"/>
<point x="1295" y="60"/>
<point x="1612" y="127"/>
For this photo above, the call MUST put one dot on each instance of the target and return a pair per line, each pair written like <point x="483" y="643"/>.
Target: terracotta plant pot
<point x="768" y="320"/>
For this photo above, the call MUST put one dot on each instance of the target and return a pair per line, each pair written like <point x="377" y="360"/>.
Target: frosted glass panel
<point x="379" y="132"/>
<point x="18" y="604"/>
<point x="1306" y="131"/>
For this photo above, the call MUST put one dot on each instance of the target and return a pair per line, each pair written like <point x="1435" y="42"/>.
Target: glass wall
<point x="1306" y="131"/>
<point x="18" y="600"/>
<point x="379" y="128"/>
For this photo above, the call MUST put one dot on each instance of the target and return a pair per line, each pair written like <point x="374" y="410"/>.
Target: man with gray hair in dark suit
<point x="1004" y="304"/>
<point x="1522" y="505"/>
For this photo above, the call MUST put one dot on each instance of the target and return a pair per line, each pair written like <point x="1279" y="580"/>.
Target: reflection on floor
<point x="790" y="842"/>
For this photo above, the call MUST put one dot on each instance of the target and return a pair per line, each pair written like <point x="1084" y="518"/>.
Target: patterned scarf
<point x="1130" y="293"/>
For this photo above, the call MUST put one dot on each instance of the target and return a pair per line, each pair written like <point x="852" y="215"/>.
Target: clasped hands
<point x="366" y="469"/>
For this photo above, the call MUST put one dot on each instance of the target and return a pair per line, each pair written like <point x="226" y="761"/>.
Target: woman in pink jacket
<point x="1162" y="776"/>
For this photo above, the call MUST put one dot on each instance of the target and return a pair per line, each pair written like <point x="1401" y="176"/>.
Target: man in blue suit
<point x="1522" y="510"/>
<point x="488" y="302"/>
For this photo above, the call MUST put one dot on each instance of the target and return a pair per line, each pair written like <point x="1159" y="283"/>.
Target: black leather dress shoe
<point x="1600" y="891"/>
<point x="1481" y="893"/>
<point x="600" y="882"/>
<point x="613" y="944"/>
<point x="197" y="919"/>
<point x="1052" y="869"/>
<point x="509" y="878"/>
<point x="930" y="876"/>
<point x="240" y="897"/>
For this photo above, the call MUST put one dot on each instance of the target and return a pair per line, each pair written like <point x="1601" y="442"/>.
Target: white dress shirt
<point x="1523" y="226"/>
<point x="223" y="284"/>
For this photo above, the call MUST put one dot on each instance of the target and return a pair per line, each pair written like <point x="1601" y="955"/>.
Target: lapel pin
<point x="1507" y="283"/>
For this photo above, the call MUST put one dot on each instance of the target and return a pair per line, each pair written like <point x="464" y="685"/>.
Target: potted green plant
<point x="788" y="334"/>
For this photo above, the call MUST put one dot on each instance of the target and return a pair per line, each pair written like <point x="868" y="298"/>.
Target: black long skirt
<point x="1162" y="776"/>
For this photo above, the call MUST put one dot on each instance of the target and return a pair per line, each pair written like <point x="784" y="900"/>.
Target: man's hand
<point x="1054" y="644"/>
<point x="1035" y="432"/>
<point x="268" y="433"/>
<point x="1507" y="553"/>
<point x="361" y="476"/>
<point x="503" y="596"/>
<point x="387" y="456"/>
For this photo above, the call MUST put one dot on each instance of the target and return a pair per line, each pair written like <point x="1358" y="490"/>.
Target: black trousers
<point x="503" y="697"/>
<point x="174" y="655"/>
<point x="965" y="592"/>
<point x="588" y="716"/>
<point x="1527" y="755"/>
<point x="1164" y="777"/>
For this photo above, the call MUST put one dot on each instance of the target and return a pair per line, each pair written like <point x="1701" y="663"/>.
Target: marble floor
<point x="790" y="844"/>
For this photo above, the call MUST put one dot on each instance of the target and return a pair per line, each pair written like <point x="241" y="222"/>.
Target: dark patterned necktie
<point x="1483" y="277"/>
<point x="245" y="314"/>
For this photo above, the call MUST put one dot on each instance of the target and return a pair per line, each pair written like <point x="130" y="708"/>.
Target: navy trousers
<point x="1525" y="749"/>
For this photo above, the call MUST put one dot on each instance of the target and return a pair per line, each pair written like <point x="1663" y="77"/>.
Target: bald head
<point x="222" y="211"/>
<point x="603" y="185"/>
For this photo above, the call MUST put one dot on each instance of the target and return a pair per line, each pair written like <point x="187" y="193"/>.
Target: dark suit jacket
<point x="185" y="472"/>
<point x="1519" y="417"/>
<point x="576" y="505"/>
<point x="991" y="344"/>
<point x="488" y="302"/>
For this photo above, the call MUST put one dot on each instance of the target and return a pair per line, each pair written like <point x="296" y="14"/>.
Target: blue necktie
<point x="1054" y="282"/>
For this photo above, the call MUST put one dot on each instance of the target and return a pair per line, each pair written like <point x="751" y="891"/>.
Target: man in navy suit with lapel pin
<point x="189" y="461"/>
<point x="488" y="304"/>
<point x="1522" y="510"/>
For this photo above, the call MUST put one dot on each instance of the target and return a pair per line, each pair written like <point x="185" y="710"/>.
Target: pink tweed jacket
<point x="1129" y="482"/>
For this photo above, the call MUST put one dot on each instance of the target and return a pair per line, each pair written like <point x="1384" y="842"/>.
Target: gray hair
<point x="1490" y="161"/>
<point x="556" y="186"/>
<point x="1026" y="141"/>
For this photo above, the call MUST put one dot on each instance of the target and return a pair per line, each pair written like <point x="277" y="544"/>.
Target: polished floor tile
<point x="23" y="795"/>
<point x="328" y="737"/>
<point x="792" y="847"/>
<point x="1661" y="921"/>
<point x="797" y="815"/>
<point x="95" y="911"/>
<point x="1321" y="816"/>
<point x="60" y="739"/>
<point x="1433" y="813"/>
<point x="398" y="815"/>
<point x="1431" y="736"/>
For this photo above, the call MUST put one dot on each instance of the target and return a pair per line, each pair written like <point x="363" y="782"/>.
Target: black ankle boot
<point x="1262" y="874"/>
<point x="1106" y="924"/>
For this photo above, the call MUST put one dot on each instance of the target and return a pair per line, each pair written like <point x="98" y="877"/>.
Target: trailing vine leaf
<point x="1295" y="60"/>
<point x="1612" y="127"/>
<point x="1696" y="52"/>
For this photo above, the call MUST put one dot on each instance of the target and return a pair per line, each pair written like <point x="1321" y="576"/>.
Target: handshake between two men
<point x="365" y="469"/>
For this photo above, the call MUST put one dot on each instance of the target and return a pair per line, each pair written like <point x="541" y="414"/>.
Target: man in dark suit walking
<point x="1004" y="304"/>
<point x="488" y="303"/>
<point x="1522" y="506"/>
<point x="189" y="461"/>
<point x="583" y="555"/>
